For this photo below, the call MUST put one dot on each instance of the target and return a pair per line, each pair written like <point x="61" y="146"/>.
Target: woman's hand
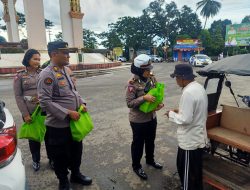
<point x="74" y="115"/>
<point x="85" y="109"/>
<point x="27" y="119"/>
<point x="149" y="98"/>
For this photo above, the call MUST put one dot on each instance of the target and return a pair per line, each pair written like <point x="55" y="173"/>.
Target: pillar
<point x="34" y="16"/>
<point x="10" y="17"/>
<point x="71" y="21"/>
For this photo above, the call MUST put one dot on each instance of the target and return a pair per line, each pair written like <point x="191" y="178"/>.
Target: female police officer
<point x="143" y="124"/>
<point x="25" y="90"/>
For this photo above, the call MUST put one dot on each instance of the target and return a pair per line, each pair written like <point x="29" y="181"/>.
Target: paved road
<point x="106" y="155"/>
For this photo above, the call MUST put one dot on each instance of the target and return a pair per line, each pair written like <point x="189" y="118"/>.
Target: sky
<point x="99" y="13"/>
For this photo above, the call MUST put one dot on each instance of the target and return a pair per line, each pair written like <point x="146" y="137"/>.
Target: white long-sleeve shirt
<point x="191" y="118"/>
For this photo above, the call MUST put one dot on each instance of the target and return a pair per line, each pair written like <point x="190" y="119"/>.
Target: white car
<point x="12" y="170"/>
<point x="156" y="58"/>
<point x="121" y="58"/>
<point x="200" y="60"/>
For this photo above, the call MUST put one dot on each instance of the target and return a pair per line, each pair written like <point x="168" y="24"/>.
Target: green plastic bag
<point x="36" y="129"/>
<point x="82" y="127"/>
<point x="158" y="93"/>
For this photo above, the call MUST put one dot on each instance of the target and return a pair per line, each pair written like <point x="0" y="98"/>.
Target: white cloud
<point x="100" y="13"/>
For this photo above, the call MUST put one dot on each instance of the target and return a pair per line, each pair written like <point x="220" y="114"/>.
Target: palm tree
<point x="209" y="8"/>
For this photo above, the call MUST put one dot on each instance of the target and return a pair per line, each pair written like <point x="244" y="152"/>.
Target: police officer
<point x="25" y="89"/>
<point x="143" y="124"/>
<point x="58" y="97"/>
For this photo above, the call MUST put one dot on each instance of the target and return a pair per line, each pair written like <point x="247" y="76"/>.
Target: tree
<point x="209" y="8"/>
<point x="58" y="36"/>
<point x="246" y="19"/>
<point x="206" y="40"/>
<point x="48" y="24"/>
<point x="221" y="24"/>
<point x="218" y="42"/>
<point x="2" y="39"/>
<point x="89" y="39"/>
<point x="21" y="19"/>
<point x="110" y="39"/>
<point x="189" y="23"/>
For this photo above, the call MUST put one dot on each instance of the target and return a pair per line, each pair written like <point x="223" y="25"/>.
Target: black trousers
<point x="189" y="166"/>
<point x="143" y="133"/>
<point x="35" y="150"/>
<point x="64" y="152"/>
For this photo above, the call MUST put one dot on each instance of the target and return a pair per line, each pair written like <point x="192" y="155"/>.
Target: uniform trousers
<point x="65" y="153"/>
<point x="143" y="133"/>
<point x="189" y="166"/>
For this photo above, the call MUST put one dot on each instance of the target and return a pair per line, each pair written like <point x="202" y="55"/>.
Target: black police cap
<point x="58" y="45"/>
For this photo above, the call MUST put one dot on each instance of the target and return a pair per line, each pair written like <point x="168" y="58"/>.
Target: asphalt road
<point x="106" y="156"/>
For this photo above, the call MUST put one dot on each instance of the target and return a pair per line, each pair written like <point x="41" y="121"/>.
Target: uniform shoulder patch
<point x="48" y="81"/>
<point x="131" y="88"/>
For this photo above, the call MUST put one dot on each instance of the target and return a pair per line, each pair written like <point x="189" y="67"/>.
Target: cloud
<point x="99" y="13"/>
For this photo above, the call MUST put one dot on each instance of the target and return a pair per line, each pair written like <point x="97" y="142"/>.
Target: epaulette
<point x="132" y="81"/>
<point x="39" y="70"/>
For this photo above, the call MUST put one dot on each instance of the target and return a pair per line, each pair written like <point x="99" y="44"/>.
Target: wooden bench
<point x="231" y="126"/>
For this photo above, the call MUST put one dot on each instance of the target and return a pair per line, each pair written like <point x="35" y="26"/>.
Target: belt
<point x="32" y="99"/>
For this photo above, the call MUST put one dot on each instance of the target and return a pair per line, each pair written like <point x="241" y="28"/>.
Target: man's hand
<point x="176" y="110"/>
<point x="85" y="109"/>
<point x="160" y="106"/>
<point x="27" y="119"/>
<point x="149" y="98"/>
<point x="74" y="115"/>
<point x="167" y="113"/>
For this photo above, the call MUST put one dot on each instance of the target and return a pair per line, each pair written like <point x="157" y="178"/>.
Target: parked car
<point x="121" y="58"/>
<point x="200" y="60"/>
<point x="12" y="170"/>
<point x="156" y="58"/>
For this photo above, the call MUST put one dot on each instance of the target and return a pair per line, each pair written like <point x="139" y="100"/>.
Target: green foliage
<point x="58" y="36"/>
<point x="219" y="24"/>
<point x="246" y="19"/>
<point x="159" y="23"/>
<point x="2" y="39"/>
<point x="21" y="19"/>
<point x="110" y="39"/>
<point x="48" y="24"/>
<point x="89" y="39"/>
<point x="209" y="8"/>
<point x="243" y="51"/>
<point x="189" y="22"/>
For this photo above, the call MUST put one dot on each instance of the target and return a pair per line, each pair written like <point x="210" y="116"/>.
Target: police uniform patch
<point x="131" y="88"/>
<point x="62" y="83"/>
<point x="48" y="81"/>
<point x="58" y="75"/>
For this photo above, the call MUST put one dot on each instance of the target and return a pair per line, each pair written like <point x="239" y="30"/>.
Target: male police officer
<point x="60" y="100"/>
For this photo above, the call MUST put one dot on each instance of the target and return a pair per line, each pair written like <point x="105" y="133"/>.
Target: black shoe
<point x="81" y="179"/>
<point x="51" y="165"/>
<point x="156" y="165"/>
<point x="36" y="166"/>
<point x="140" y="172"/>
<point x="64" y="185"/>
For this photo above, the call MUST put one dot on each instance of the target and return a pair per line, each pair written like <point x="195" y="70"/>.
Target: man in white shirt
<point x="191" y="132"/>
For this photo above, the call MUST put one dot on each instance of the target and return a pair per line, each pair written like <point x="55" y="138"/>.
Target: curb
<point x="81" y="73"/>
